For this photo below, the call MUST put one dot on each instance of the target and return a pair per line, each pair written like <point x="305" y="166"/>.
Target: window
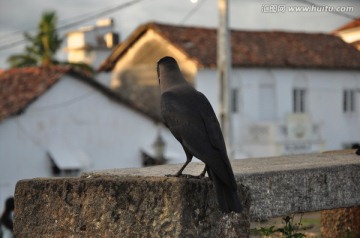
<point x="349" y="101"/>
<point x="267" y="102"/>
<point x="234" y="100"/>
<point x="299" y="100"/>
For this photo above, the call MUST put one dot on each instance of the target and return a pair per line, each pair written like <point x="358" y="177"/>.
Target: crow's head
<point x="166" y="63"/>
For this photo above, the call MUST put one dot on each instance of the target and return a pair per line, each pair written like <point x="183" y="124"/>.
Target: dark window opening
<point x="349" y="101"/>
<point x="234" y="100"/>
<point x="57" y="171"/>
<point x="299" y="100"/>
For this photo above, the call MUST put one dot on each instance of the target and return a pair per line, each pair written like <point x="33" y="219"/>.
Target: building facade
<point x="283" y="111"/>
<point x="350" y="33"/>
<point x="91" y="44"/>
<point x="292" y="92"/>
<point x="54" y="122"/>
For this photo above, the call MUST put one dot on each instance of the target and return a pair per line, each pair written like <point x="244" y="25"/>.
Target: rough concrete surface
<point x="283" y="185"/>
<point x="343" y="222"/>
<point x="124" y="207"/>
<point x="145" y="203"/>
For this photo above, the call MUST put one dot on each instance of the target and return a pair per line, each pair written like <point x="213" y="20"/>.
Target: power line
<point x="62" y="104"/>
<point x="6" y="35"/>
<point x="75" y="23"/>
<point x="12" y="45"/>
<point x="192" y="11"/>
<point x="100" y="14"/>
<point x="27" y="134"/>
<point x="62" y="21"/>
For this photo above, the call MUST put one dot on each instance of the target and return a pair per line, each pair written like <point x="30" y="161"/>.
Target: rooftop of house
<point x="21" y="86"/>
<point x="250" y="48"/>
<point x="352" y="24"/>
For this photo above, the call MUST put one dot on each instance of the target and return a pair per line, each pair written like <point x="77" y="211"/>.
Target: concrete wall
<point x="146" y="203"/>
<point x="75" y="116"/>
<point x="265" y="97"/>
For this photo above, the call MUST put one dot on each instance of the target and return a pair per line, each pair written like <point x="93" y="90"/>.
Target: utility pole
<point x="224" y="66"/>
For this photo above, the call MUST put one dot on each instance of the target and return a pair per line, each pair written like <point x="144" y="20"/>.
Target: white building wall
<point x="75" y="116"/>
<point x="324" y="105"/>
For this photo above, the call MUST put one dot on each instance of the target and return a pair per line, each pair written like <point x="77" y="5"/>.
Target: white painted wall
<point x="88" y="45"/>
<point x="72" y="114"/>
<point x="324" y="105"/>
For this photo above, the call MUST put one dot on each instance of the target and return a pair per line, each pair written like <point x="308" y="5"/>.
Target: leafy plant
<point x="266" y="231"/>
<point x="289" y="230"/>
<point x="43" y="46"/>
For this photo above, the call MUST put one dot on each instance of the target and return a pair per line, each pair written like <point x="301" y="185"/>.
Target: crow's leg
<point x="203" y="172"/>
<point x="188" y="160"/>
<point x="200" y="176"/>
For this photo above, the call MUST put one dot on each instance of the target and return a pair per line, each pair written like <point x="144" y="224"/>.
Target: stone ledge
<point x="283" y="185"/>
<point x="143" y="202"/>
<point x="120" y="206"/>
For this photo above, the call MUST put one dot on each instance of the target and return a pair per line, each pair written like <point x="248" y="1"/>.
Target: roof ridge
<point x="349" y="25"/>
<point x="154" y="24"/>
<point x="22" y="86"/>
<point x="273" y="48"/>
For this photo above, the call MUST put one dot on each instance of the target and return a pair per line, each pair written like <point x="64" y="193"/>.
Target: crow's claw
<point x="185" y="176"/>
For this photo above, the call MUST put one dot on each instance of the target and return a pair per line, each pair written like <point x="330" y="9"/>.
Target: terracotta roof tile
<point x="266" y="49"/>
<point x="19" y="87"/>
<point x="253" y="48"/>
<point x="352" y="24"/>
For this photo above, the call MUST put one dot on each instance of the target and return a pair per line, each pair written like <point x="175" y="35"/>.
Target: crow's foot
<point x="194" y="176"/>
<point x="173" y="175"/>
<point x="185" y="176"/>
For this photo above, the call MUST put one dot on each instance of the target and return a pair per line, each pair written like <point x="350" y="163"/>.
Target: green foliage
<point x="266" y="231"/>
<point x="350" y="234"/>
<point x="42" y="47"/>
<point x="289" y="230"/>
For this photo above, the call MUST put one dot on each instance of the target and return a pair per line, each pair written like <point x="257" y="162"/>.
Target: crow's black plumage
<point x="191" y="119"/>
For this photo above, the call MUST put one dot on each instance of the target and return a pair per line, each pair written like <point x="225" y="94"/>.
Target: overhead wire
<point x="65" y="103"/>
<point x="78" y="22"/>
<point x="192" y="12"/>
<point x="90" y="16"/>
<point x="61" y="21"/>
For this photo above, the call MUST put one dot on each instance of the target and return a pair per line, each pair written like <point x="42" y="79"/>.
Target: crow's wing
<point x="214" y="132"/>
<point x="182" y="118"/>
<point x="192" y="121"/>
<point x="211" y="122"/>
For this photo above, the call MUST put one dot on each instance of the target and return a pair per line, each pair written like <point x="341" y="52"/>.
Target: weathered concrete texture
<point x="283" y="185"/>
<point x="145" y="203"/>
<point x="119" y="206"/>
<point x="301" y="183"/>
<point x="340" y="222"/>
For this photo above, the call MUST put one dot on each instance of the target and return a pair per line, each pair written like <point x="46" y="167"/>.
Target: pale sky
<point x="20" y="15"/>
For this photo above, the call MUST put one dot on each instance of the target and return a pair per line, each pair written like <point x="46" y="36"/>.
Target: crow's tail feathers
<point x="227" y="197"/>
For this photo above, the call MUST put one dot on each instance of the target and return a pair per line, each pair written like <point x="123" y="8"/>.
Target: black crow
<point x="191" y="119"/>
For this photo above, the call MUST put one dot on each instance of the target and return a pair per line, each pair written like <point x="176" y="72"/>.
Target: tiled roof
<point x="251" y="48"/>
<point x="356" y="44"/>
<point x="20" y="87"/>
<point x="352" y="24"/>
